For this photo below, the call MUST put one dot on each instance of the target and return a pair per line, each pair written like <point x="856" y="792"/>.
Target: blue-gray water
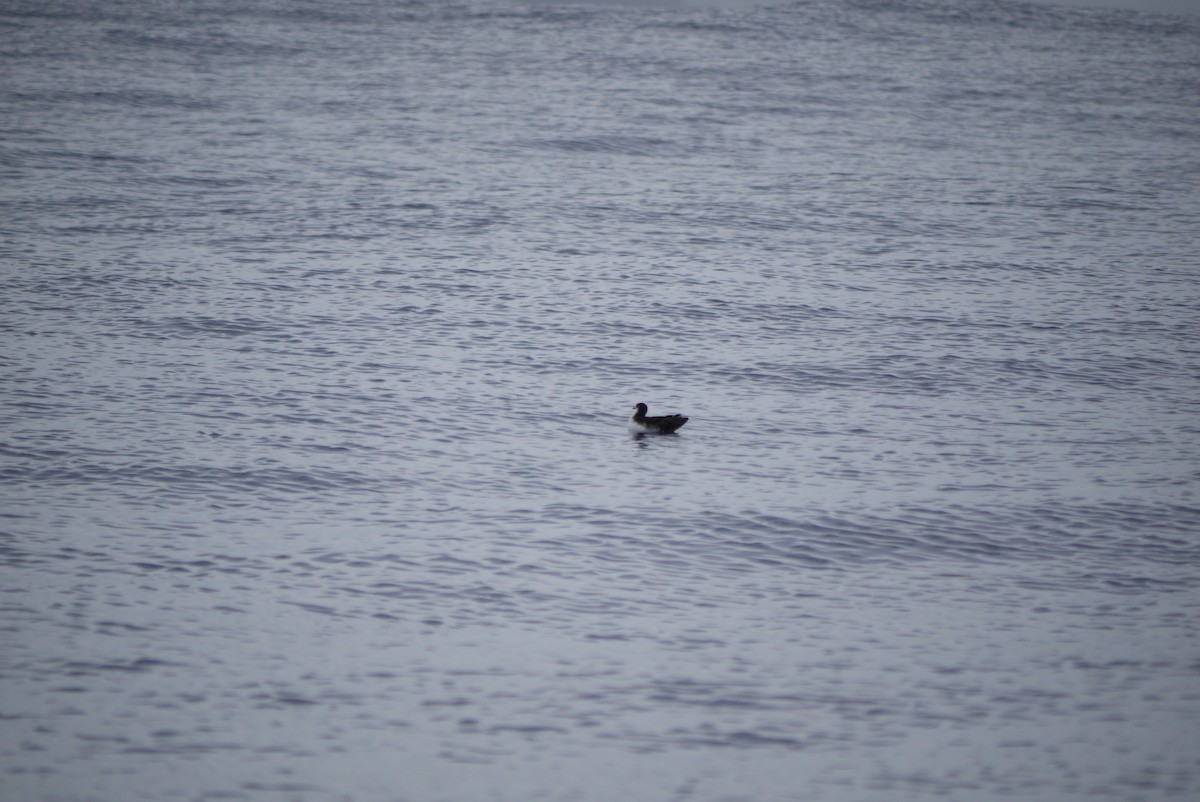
<point x="320" y="324"/>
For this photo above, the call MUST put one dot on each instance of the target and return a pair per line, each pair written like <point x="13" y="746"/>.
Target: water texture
<point x="319" y="326"/>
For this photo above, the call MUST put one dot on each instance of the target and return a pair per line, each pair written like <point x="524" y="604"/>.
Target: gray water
<point x="321" y="323"/>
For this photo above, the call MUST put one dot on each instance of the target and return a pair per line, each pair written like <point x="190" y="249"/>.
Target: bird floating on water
<point x="641" y="423"/>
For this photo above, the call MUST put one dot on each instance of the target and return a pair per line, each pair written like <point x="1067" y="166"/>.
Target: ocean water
<point x="320" y="324"/>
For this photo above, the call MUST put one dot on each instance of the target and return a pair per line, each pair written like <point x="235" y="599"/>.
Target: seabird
<point x="641" y="423"/>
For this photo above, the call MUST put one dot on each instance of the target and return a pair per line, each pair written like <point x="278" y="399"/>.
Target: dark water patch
<point x="58" y="157"/>
<point x="196" y="182"/>
<point x="25" y="452"/>
<point x="201" y="45"/>
<point x="84" y="668"/>
<point x="199" y="326"/>
<point x="320" y="609"/>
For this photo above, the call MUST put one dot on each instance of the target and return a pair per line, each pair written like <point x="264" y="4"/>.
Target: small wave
<point x="1111" y="533"/>
<point x="616" y="144"/>
<point x="198" y="480"/>
<point x="78" y="668"/>
<point x="179" y="325"/>
<point x="138" y="99"/>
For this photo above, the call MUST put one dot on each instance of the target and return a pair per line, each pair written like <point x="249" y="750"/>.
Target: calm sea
<point x="320" y="323"/>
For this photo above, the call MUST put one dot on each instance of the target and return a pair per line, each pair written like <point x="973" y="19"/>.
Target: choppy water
<point x="321" y="322"/>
